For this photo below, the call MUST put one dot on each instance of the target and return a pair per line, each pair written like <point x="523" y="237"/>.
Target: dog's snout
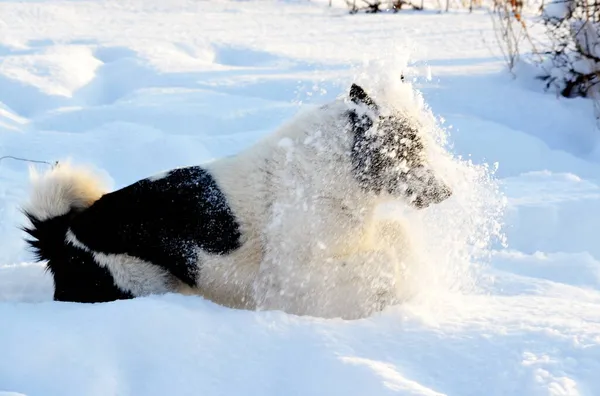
<point x="432" y="191"/>
<point x="441" y="193"/>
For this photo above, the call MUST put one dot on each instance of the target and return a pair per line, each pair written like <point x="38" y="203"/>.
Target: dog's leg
<point x="361" y="284"/>
<point x="350" y="286"/>
<point x="393" y="235"/>
<point x="374" y="277"/>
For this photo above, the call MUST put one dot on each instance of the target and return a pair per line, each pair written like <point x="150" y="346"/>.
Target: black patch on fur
<point x="359" y="96"/>
<point x="388" y="154"/>
<point x="77" y="277"/>
<point x="380" y="143"/>
<point x="377" y="152"/>
<point x="163" y="222"/>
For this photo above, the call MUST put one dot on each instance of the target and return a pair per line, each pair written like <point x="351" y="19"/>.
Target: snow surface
<point x="137" y="87"/>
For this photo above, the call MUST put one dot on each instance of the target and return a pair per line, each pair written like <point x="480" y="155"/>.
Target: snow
<point x="134" y="88"/>
<point x="558" y="10"/>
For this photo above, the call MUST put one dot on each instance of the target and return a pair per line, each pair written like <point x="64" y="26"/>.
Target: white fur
<point x="311" y="238"/>
<point x="56" y="192"/>
<point x="130" y="273"/>
<point x="311" y="241"/>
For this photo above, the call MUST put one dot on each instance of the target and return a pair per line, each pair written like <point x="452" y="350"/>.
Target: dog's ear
<point x="359" y="96"/>
<point x="363" y="122"/>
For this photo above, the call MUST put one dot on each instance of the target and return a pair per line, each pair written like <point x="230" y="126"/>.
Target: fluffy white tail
<point x="63" y="188"/>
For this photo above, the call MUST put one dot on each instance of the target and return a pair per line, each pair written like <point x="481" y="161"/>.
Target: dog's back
<point x="141" y="239"/>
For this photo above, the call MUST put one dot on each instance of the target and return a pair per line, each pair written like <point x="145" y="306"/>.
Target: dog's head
<point x="388" y="154"/>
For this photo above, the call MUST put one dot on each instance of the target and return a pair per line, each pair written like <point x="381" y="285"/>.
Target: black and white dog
<point x="287" y="224"/>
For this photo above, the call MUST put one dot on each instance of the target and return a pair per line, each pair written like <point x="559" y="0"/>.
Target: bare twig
<point x="27" y="160"/>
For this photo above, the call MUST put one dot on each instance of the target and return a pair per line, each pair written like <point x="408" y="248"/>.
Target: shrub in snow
<point x="572" y="56"/>
<point x="375" y="6"/>
<point x="509" y="28"/>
